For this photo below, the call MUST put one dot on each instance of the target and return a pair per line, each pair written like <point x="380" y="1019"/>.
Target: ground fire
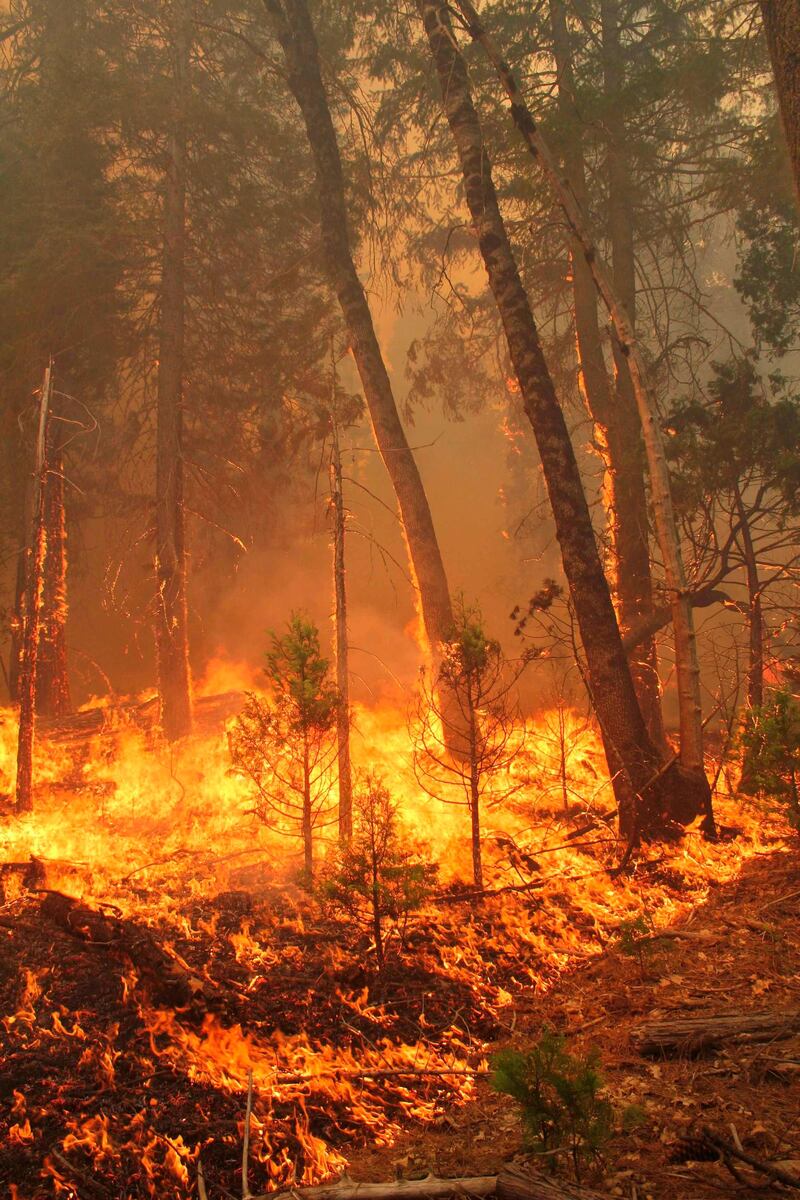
<point x="399" y="525"/>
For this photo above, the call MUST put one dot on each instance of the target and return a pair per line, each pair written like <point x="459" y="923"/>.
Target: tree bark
<point x="296" y="35"/>
<point x="755" y="667"/>
<point x="174" y="683"/>
<point x="307" y="819"/>
<point x="782" y="27"/>
<point x="30" y="639"/>
<point x="634" y="582"/>
<point x="633" y="760"/>
<point x="345" y="776"/>
<point x="689" y="1035"/>
<point x="755" y="623"/>
<point x="693" y="783"/>
<point x="52" y="679"/>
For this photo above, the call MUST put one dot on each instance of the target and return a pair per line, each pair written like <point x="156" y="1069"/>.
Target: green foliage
<point x="381" y="876"/>
<point x="771" y="744"/>
<point x="632" y="941"/>
<point x="299" y="674"/>
<point x="736" y="431"/>
<point x="560" y="1096"/>
<point x="284" y="745"/>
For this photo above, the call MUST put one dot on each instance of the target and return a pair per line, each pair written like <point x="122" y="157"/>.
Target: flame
<point x="154" y="832"/>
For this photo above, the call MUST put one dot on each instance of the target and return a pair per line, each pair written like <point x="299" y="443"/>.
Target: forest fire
<point x="189" y="970"/>
<point x="400" y="544"/>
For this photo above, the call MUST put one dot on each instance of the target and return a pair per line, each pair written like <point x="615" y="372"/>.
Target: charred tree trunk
<point x="30" y="639"/>
<point x="295" y="32"/>
<point x="782" y="27"/>
<point x="634" y="581"/>
<point x="52" y="680"/>
<point x="691" y="794"/>
<point x="617" y="416"/>
<point x="174" y="683"/>
<point x="755" y="666"/>
<point x="345" y="775"/>
<point x="755" y="621"/>
<point x="18" y="615"/>
<point x="633" y="760"/>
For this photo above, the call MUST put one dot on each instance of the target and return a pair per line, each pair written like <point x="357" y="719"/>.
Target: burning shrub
<point x="380" y="876"/>
<point x="560" y="1096"/>
<point x="285" y="745"/>
<point x="468" y="731"/>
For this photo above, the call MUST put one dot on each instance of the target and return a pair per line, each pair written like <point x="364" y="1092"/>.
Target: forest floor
<point x="743" y="956"/>
<point x="132" y="1021"/>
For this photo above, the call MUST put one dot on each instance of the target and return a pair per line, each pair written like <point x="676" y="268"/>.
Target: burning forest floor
<point x="156" y="958"/>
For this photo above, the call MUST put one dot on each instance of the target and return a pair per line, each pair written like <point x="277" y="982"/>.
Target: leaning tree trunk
<point x="296" y="35"/>
<point x="174" y="684"/>
<point x="52" y="681"/>
<point x="782" y="27"/>
<point x="616" y="416"/>
<point x="633" y="760"/>
<point x="344" y="767"/>
<point x="755" y="622"/>
<point x="693" y="794"/>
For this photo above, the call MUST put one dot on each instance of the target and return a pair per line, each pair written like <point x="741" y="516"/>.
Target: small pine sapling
<point x="635" y="940"/>
<point x="467" y="730"/>
<point x="285" y="745"/>
<point x="771" y="744"/>
<point x="380" y="878"/>
<point x="560" y="1096"/>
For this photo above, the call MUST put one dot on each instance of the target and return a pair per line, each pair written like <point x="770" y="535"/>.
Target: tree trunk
<point x="633" y="760"/>
<point x="782" y="27"/>
<point x="755" y="665"/>
<point x="308" y="829"/>
<point x="52" y="680"/>
<point x="295" y="32"/>
<point x="755" y="668"/>
<point x="30" y="639"/>
<point x="691" y="791"/>
<point x="616" y="416"/>
<point x="345" y="777"/>
<point x="18" y="616"/>
<point x="474" y="741"/>
<point x="174" y="682"/>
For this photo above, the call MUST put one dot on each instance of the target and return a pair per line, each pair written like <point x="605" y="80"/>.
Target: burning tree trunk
<point x="52" y="697"/>
<point x="782" y="27"/>
<point x="174" y="682"/>
<point x="617" y="416"/>
<point x="30" y="638"/>
<point x="340" y="599"/>
<point x="696" y="792"/>
<point x="296" y="35"/>
<point x="633" y="760"/>
<point x="18" y="616"/>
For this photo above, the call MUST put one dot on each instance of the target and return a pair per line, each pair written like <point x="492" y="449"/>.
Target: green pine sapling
<point x="560" y="1096"/>
<point x="381" y="877"/>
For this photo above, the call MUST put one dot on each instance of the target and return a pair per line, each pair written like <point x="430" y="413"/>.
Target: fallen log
<point x="515" y="1182"/>
<point x="519" y="1182"/>
<point x="693" y="1035"/>
<point x="165" y="980"/>
<point x="395" y="1189"/>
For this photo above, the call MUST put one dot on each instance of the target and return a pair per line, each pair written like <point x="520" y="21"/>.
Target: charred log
<point x="694" y="1035"/>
